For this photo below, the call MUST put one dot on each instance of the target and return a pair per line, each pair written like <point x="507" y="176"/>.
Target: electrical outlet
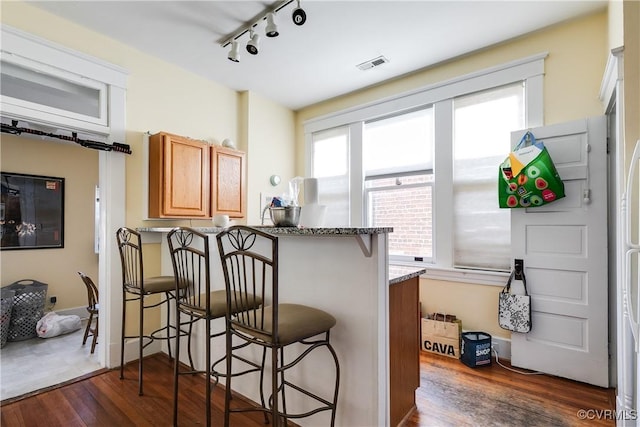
<point x="53" y="300"/>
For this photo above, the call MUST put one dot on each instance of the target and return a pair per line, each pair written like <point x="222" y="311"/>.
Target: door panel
<point x="564" y="248"/>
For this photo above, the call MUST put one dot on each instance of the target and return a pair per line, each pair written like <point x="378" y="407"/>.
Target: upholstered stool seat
<point x="295" y="322"/>
<point x="158" y="284"/>
<point x="218" y="303"/>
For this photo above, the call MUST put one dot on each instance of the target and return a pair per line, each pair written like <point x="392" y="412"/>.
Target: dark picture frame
<point x="31" y="211"/>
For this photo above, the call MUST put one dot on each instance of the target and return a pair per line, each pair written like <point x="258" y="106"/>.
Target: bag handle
<point x="507" y="288"/>
<point x="526" y="140"/>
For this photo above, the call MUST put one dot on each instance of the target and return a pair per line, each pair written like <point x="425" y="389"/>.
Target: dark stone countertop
<point x="400" y="273"/>
<point x="291" y="231"/>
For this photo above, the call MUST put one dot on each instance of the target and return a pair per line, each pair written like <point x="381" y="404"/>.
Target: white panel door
<point x="564" y="248"/>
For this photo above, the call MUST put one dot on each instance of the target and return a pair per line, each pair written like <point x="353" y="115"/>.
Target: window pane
<point x="28" y="85"/>
<point x="330" y="163"/>
<point x="404" y="203"/>
<point x="483" y="123"/>
<point x="399" y="143"/>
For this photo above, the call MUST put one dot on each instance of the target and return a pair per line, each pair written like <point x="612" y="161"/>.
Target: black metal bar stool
<point x="195" y="299"/>
<point x="250" y="265"/>
<point x="136" y="287"/>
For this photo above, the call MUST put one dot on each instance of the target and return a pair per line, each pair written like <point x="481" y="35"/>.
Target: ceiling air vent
<point x="372" y="63"/>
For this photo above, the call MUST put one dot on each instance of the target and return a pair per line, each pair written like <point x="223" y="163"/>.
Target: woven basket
<point x="6" y="304"/>
<point x="28" y="308"/>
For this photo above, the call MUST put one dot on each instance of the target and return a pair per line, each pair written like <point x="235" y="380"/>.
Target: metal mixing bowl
<point x="285" y="217"/>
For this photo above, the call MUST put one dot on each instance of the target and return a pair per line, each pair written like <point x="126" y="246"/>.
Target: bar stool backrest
<point x="250" y="266"/>
<point x="130" y="248"/>
<point x="189" y="250"/>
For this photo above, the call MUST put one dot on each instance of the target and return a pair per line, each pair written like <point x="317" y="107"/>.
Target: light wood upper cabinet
<point x="228" y="182"/>
<point x="179" y="177"/>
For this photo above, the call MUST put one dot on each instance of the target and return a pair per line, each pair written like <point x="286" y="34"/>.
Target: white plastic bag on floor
<point x="52" y="325"/>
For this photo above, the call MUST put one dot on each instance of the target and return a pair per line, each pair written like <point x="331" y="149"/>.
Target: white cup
<point x="221" y="220"/>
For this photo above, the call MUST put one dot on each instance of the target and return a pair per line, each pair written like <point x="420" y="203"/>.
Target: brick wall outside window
<point x="408" y="210"/>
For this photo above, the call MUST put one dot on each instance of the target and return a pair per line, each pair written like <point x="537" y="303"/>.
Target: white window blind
<point x="482" y="127"/>
<point x="330" y="154"/>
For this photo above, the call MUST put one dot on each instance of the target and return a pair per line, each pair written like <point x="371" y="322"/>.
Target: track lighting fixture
<point x="272" y="29"/>
<point x="234" y="55"/>
<point x="252" y="44"/>
<point x="299" y="16"/>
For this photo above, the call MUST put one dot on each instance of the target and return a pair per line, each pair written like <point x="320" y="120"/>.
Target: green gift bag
<point x="528" y="177"/>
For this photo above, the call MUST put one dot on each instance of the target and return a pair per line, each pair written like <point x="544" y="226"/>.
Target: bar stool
<point x="93" y="308"/>
<point x="135" y="287"/>
<point x="250" y="265"/>
<point x="189" y="250"/>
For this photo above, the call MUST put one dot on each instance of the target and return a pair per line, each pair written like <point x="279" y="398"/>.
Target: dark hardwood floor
<point x="450" y="394"/>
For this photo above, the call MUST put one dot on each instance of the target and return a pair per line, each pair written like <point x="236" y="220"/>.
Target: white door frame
<point x="112" y="182"/>
<point x="612" y="93"/>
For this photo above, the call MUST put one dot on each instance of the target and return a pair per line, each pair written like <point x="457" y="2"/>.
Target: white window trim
<point x="29" y="51"/>
<point x="440" y="95"/>
<point x="525" y="68"/>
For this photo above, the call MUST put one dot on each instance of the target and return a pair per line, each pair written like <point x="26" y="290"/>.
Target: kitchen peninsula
<point x="345" y="272"/>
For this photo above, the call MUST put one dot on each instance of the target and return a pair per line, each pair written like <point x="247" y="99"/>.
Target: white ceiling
<point x="317" y="61"/>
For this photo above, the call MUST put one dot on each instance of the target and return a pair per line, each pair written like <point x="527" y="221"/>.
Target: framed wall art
<point x="31" y="211"/>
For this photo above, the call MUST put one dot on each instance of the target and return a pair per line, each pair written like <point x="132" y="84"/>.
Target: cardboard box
<point x="441" y="337"/>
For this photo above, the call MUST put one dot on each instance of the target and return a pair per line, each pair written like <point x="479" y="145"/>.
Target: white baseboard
<point x="502" y="346"/>
<point x="131" y="349"/>
<point x="81" y="312"/>
<point x="130" y="345"/>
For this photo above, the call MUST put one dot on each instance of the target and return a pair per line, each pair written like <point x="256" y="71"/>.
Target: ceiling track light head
<point x="299" y="16"/>
<point x="271" y="29"/>
<point x="254" y="41"/>
<point x="234" y="54"/>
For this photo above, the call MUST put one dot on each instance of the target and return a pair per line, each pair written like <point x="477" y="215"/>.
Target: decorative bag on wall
<point x="514" y="311"/>
<point x="528" y="177"/>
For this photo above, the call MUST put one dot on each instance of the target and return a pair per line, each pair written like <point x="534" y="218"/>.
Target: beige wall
<point x="270" y="141"/>
<point x="56" y="267"/>
<point x="573" y="73"/>
<point x="614" y="27"/>
<point x="631" y="25"/>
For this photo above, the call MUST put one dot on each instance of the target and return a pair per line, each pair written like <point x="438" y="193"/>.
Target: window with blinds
<point x="330" y="163"/>
<point x="482" y="125"/>
<point x="398" y="167"/>
<point x="426" y="163"/>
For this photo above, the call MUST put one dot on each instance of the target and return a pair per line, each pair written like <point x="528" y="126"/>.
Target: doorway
<point x="110" y="81"/>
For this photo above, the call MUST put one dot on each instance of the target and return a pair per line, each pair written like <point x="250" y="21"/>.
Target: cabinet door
<point x="178" y="177"/>
<point x="228" y="182"/>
